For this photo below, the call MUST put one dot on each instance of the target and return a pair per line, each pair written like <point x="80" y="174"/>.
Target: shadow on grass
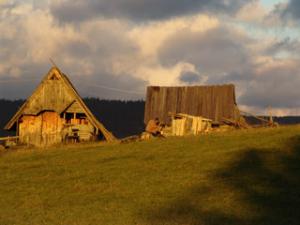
<point x="261" y="186"/>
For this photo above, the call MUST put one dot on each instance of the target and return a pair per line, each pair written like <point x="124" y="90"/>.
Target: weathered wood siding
<point x="212" y="102"/>
<point x="75" y="108"/>
<point x="42" y="118"/>
<point x="42" y="130"/>
<point x="52" y="95"/>
<point x="30" y="130"/>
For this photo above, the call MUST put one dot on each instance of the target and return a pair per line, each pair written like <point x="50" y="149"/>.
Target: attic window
<point x="53" y="77"/>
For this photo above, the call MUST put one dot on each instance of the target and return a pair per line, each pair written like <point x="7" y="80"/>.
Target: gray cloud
<point x="87" y="55"/>
<point x="102" y="43"/>
<point x="217" y="51"/>
<point x="190" y="77"/>
<point x="100" y="57"/>
<point x="292" y="9"/>
<point x="110" y="86"/>
<point x="287" y="45"/>
<point x="223" y="56"/>
<point x="77" y="10"/>
<point x="278" y="87"/>
<point x="101" y="84"/>
<point x="21" y="87"/>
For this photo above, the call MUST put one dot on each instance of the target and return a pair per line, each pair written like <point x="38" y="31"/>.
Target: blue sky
<point x="271" y="3"/>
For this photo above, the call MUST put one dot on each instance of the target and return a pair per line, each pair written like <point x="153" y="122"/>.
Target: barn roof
<point x="213" y="102"/>
<point x="49" y="96"/>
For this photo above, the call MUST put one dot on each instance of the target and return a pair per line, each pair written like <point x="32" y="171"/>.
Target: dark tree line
<point x="122" y="118"/>
<point x="7" y="109"/>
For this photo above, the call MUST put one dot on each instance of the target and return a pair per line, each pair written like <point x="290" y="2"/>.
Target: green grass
<point x="241" y="177"/>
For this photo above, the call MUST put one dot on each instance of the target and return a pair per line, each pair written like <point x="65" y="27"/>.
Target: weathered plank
<point x="212" y="102"/>
<point x="42" y="118"/>
<point x="9" y="138"/>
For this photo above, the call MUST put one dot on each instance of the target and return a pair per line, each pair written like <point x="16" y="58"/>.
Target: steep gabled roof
<point x="49" y="96"/>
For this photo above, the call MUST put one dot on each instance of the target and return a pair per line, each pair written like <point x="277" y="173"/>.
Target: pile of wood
<point x="184" y="124"/>
<point x="264" y="122"/>
<point x="240" y="124"/>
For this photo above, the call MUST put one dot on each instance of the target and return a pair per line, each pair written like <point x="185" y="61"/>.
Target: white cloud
<point x="126" y="55"/>
<point x="252" y="12"/>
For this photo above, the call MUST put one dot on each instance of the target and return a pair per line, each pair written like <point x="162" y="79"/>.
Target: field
<point x="240" y="177"/>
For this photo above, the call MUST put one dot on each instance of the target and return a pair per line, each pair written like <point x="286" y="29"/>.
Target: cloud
<point x="93" y="54"/>
<point x="109" y="86"/>
<point x="102" y="85"/>
<point x="216" y="51"/>
<point x="18" y="82"/>
<point x="264" y="76"/>
<point x="284" y="14"/>
<point x="114" y="52"/>
<point x="151" y="36"/>
<point x="286" y="47"/>
<point x="190" y="77"/>
<point x="76" y="10"/>
<point x="275" y="84"/>
<point x="292" y="9"/>
<point x="253" y="12"/>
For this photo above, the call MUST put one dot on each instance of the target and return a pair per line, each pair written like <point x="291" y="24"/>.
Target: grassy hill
<point x="241" y="177"/>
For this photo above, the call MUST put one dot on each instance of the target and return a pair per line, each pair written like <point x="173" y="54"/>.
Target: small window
<point x="53" y="77"/>
<point x="69" y="117"/>
<point x="82" y="119"/>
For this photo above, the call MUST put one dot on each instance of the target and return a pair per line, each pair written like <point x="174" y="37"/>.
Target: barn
<point x="55" y="113"/>
<point x="216" y="102"/>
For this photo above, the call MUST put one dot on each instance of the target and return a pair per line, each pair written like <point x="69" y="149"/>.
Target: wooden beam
<point x="9" y="138"/>
<point x="257" y="117"/>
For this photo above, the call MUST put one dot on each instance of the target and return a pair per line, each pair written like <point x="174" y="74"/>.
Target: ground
<point x="240" y="177"/>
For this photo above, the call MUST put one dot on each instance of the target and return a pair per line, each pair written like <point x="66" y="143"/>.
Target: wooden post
<point x="217" y="112"/>
<point x="271" y="121"/>
<point x="17" y="132"/>
<point x="42" y="121"/>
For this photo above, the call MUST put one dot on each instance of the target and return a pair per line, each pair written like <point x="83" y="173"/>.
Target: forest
<point x="122" y="118"/>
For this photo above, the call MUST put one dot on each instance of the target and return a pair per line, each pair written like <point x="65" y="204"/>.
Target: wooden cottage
<point x="216" y="102"/>
<point x="55" y="113"/>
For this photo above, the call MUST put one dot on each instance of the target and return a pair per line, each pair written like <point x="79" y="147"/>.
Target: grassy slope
<point x="237" y="178"/>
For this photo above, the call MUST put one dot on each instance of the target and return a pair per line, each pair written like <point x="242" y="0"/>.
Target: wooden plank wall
<point x="212" y="102"/>
<point x="38" y="120"/>
<point x="42" y="130"/>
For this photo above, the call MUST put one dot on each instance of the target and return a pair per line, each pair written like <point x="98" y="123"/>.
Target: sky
<point x="115" y="49"/>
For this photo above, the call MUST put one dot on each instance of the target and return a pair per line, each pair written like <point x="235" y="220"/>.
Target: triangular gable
<point x="56" y="93"/>
<point x="74" y="107"/>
